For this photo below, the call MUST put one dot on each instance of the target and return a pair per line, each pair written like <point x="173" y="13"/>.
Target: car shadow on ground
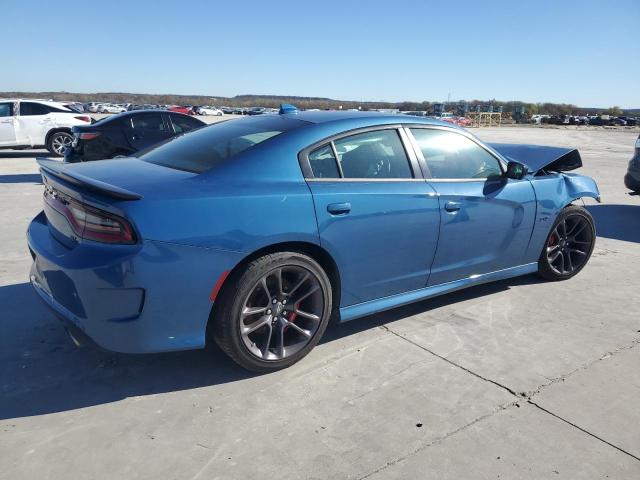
<point x="620" y="222"/>
<point x="23" y="153"/>
<point x="42" y="372"/>
<point x="21" y="178"/>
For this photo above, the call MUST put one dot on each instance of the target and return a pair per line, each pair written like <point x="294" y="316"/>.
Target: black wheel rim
<point x="282" y="313"/>
<point x="569" y="244"/>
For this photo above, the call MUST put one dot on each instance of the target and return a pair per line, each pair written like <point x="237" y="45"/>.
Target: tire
<point x="631" y="183"/>
<point x="56" y="140"/>
<point x="569" y="244"/>
<point x="272" y="338"/>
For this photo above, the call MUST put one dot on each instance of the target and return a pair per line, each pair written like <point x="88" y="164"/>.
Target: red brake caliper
<point x="292" y="317"/>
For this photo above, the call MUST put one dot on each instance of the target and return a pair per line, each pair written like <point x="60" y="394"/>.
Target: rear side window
<point x="6" y="109"/>
<point x="377" y="155"/>
<point x="453" y="156"/>
<point x="148" y="121"/>
<point x="323" y="163"/>
<point x="207" y="147"/>
<point x="31" y="108"/>
<point x="184" y="124"/>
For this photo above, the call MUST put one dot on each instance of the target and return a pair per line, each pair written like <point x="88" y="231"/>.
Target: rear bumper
<point x="151" y="297"/>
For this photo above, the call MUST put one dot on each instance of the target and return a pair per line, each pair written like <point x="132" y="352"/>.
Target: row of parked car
<point x="599" y="120"/>
<point x="95" y="107"/>
<point x="64" y="130"/>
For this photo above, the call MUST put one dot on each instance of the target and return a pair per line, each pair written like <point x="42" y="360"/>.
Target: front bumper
<point x="151" y="297"/>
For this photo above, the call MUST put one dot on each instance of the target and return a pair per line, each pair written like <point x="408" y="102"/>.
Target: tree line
<point x="274" y="101"/>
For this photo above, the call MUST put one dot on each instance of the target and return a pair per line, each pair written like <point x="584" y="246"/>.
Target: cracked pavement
<point x="515" y="379"/>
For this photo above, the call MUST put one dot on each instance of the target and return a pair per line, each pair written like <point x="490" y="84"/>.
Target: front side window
<point x="31" y="108"/>
<point x="453" y="156"/>
<point x="6" y="109"/>
<point x="376" y="155"/>
<point x="184" y="124"/>
<point x="149" y="121"/>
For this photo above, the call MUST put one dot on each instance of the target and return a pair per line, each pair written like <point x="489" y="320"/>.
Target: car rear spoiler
<point x="538" y="157"/>
<point x="60" y="171"/>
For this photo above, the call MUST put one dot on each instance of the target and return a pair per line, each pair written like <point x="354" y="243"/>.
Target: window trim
<point x="414" y="167"/>
<point x="423" y="162"/>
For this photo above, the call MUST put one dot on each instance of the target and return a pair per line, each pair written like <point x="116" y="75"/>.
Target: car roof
<point x="138" y="112"/>
<point x="53" y="103"/>
<point x="366" y="118"/>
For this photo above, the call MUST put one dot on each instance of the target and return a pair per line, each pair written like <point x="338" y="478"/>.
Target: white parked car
<point x="36" y="123"/>
<point x="109" y="108"/>
<point x="92" y="107"/>
<point x="209" y="111"/>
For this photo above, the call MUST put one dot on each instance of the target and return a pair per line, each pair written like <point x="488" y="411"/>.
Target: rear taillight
<point x="88" y="135"/>
<point x="84" y="118"/>
<point x="88" y="222"/>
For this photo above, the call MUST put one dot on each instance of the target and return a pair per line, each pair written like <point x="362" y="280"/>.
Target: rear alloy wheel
<point x="274" y="311"/>
<point x="569" y="244"/>
<point x="59" y="142"/>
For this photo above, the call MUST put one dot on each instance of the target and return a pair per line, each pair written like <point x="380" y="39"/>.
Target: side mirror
<point x="515" y="170"/>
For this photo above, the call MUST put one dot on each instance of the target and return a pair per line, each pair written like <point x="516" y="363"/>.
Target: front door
<point x="146" y="129"/>
<point x="7" y="124"/>
<point x="376" y="216"/>
<point x="486" y="219"/>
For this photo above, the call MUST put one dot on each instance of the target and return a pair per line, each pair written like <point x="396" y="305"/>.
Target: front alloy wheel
<point x="569" y="244"/>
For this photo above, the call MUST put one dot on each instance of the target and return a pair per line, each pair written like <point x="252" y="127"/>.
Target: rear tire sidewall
<point x="544" y="269"/>
<point x="226" y="318"/>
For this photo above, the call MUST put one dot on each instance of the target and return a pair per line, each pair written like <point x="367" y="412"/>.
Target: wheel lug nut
<point x="284" y="302"/>
<point x="274" y="301"/>
<point x="269" y="312"/>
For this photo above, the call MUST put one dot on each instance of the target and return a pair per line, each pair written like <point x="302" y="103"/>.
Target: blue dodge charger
<point x="254" y="233"/>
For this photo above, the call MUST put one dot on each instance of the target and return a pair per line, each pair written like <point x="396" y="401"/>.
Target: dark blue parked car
<point x="254" y="232"/>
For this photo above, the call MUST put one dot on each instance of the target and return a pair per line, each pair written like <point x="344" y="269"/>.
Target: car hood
<point x="537" y="157"/>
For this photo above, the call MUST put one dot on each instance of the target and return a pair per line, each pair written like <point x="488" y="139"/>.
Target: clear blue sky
<point x="583" y="52"/>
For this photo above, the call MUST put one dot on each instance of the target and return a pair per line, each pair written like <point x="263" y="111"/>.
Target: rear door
<point x="486" y="219"/>
<point x="146" y="129"/>
<point x="7" y="124"/>
<point x="376" y="215"/>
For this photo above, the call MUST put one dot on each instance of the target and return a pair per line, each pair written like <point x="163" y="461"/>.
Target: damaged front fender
<point x="579" y="186"/>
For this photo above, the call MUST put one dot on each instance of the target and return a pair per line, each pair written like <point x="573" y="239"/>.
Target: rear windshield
<point x="207" y="147"/>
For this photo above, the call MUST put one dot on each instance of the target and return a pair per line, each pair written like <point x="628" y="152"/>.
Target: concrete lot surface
<point x="516" y="379"/>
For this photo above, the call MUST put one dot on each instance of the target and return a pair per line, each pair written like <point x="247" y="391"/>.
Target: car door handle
<point x="452" y="206"/>
<point x="339" y="208"/>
